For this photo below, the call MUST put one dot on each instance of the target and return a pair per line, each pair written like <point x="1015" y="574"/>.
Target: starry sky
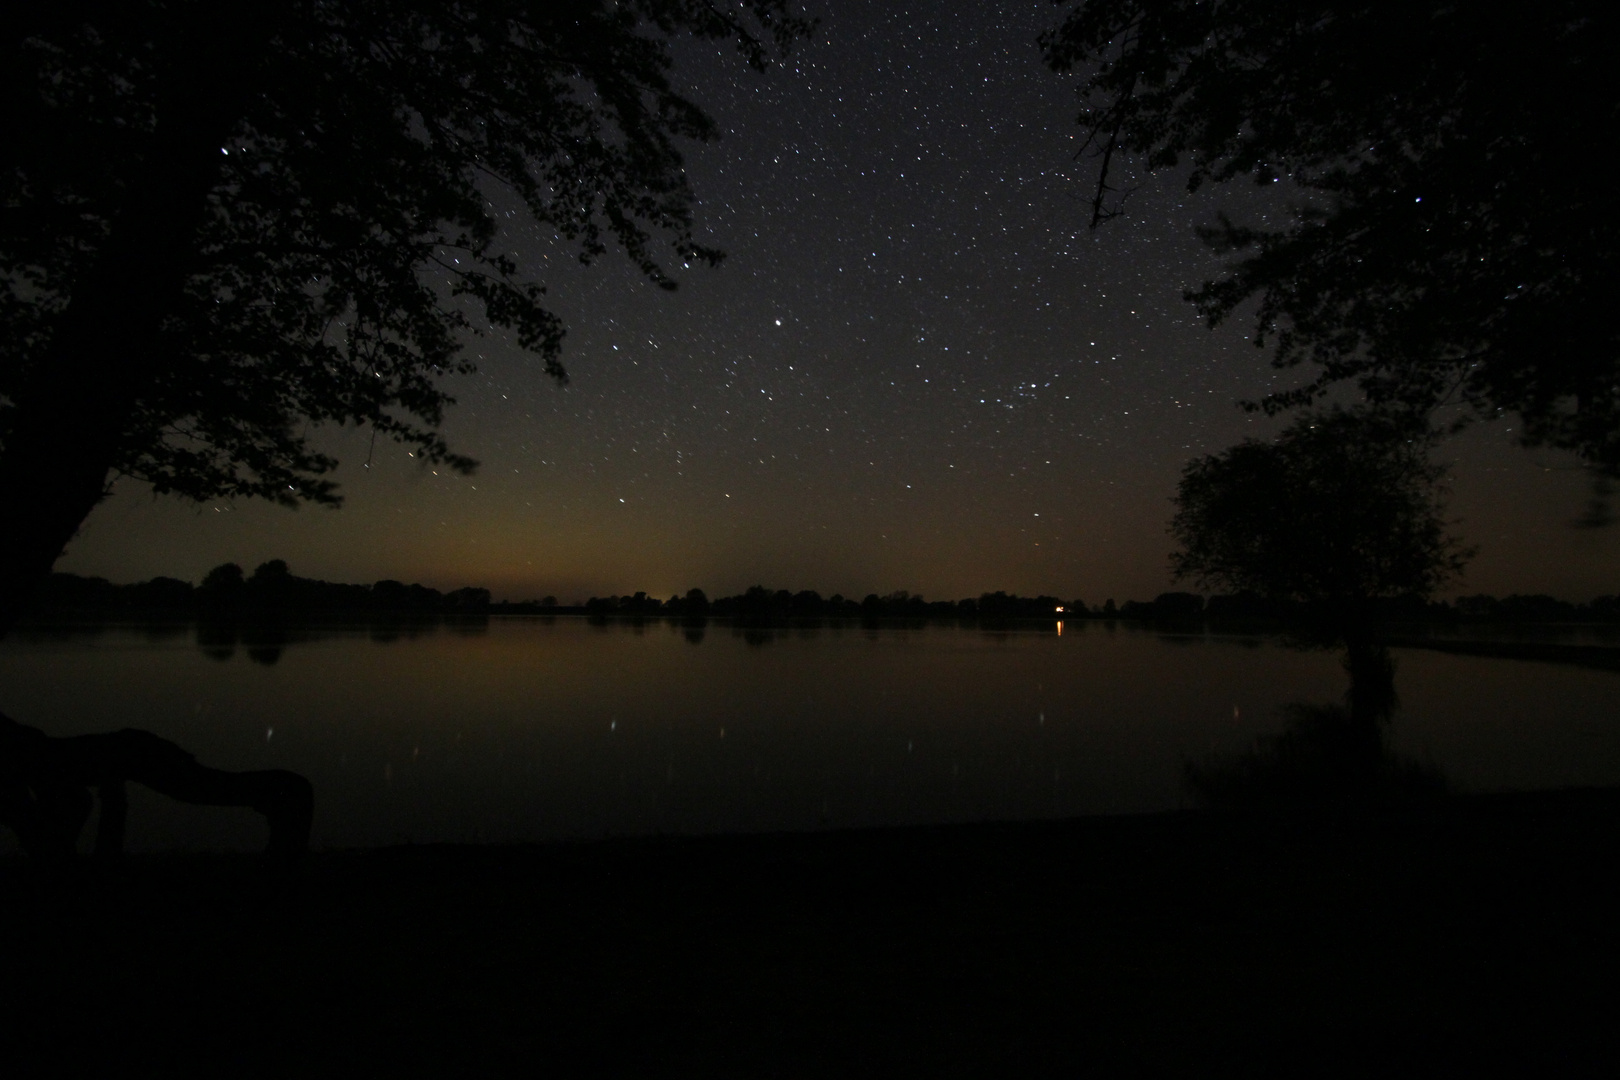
<point x="916" y="369"/>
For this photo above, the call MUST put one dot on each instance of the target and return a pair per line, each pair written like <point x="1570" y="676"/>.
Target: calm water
<point x="527" y="730"/>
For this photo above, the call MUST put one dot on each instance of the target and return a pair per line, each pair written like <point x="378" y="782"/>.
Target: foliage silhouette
<point x="222" y="223"/>
<point x="1342" y="508"/>
<point x="1457" y="237"/>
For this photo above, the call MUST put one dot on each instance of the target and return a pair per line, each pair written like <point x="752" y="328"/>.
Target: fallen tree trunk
<point x="45" y="787"/>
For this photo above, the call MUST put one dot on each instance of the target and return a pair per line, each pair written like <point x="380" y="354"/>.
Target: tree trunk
<point x="105" y="350"/>
<point x="1371" y="696"/>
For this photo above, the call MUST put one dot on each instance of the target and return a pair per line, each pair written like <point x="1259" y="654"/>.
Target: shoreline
<point x="280" y="630"/>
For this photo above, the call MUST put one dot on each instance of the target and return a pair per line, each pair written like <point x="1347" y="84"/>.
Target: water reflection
<point x="1325" y="758"/>
<point x="514" y="729"/>
<point x="218" y="642"/>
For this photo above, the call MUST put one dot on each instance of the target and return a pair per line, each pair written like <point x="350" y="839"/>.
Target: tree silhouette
<point x="220" y="223"/>
<point x="1341" y="512"/>
<point x="1457" y="238"/>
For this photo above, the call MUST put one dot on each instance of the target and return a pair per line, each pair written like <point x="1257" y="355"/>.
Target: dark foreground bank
<point x="1481" y="931"/>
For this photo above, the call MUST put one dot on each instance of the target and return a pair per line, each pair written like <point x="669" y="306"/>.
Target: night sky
<point x="917" y="369"/>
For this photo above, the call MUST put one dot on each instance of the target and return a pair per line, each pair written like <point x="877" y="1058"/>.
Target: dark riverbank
<point x="1478" y="931"/>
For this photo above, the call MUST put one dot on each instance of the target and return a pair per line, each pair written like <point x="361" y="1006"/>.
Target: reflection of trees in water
<point x="1323" y="758"/>
<point x="265" y="639"/>
<point x="216" y="640"/>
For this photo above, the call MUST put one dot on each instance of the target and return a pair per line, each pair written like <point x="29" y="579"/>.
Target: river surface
<point x="531" y="729"/>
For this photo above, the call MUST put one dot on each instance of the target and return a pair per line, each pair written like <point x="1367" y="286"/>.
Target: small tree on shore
<point x="1340" y="513"/>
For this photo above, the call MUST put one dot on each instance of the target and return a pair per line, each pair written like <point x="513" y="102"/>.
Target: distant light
<point x="1060" y="609"/>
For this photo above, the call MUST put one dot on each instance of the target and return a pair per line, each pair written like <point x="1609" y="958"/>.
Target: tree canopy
<point x="220" y="223"/>
<point x="364" y="160"/>
<point x="1342" y="509"/>
<point x="1455" y="237"/>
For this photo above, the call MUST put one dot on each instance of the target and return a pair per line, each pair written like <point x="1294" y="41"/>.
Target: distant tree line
<point x="227" y="591"/>
<point x="759" y="602"/>
<point x="762" y="603"/>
